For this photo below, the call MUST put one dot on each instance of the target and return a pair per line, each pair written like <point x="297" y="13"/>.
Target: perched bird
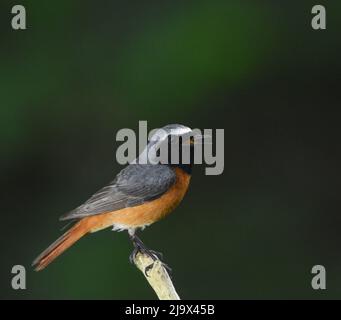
<point x="141" y="194"/>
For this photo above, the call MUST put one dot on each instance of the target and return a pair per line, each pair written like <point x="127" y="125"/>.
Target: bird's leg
<point x="139" y="246"/>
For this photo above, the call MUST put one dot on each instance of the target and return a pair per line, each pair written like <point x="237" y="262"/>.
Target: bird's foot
<point x="142" y="249"/>
<point x="139" y="247"/>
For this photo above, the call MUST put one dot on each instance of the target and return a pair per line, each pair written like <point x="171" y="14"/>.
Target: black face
<point x="185" y="148"/>
<point x="179" y="143"/>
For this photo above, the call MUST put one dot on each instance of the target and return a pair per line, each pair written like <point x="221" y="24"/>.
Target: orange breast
<point x="148" y="212"/>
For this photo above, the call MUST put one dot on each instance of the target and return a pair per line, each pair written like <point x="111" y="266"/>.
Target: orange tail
<point x="61" y="244"/>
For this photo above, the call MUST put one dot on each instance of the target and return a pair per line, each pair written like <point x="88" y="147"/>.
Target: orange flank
<point x="131" y="217"/>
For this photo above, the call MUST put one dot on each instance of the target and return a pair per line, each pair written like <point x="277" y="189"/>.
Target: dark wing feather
<point x="133" y="186"/>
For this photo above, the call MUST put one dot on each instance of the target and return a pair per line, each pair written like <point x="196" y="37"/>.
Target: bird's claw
<point x="155" y="255"/>
<point x="139" y="247"/>
<point x="148" y="268"/>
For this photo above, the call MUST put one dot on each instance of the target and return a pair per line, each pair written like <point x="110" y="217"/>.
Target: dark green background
<point x="85" y="69"/>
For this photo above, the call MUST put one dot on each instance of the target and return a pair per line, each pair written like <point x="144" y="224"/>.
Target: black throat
<point x="185" y="167"/>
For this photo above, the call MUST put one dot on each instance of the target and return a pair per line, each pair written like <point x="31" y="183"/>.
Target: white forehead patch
<point x="180" y="131"/>
<point x="162" y="134"/>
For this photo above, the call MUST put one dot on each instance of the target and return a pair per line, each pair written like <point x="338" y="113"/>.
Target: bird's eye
<point x="188" y="141"/>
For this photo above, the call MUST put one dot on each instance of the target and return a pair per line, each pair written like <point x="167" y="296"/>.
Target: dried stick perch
<point x="157" y="276"/>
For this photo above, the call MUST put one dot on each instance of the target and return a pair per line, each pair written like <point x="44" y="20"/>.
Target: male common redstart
<point x="140" y="195"/>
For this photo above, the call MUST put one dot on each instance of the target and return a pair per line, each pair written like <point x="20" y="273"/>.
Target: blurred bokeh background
<point x="85" y="69"/>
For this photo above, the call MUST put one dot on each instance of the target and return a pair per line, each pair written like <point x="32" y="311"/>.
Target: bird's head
<point x="173" y="145"/>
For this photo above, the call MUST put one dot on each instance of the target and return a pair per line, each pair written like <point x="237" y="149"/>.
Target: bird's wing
<point x="133" y="186"/>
